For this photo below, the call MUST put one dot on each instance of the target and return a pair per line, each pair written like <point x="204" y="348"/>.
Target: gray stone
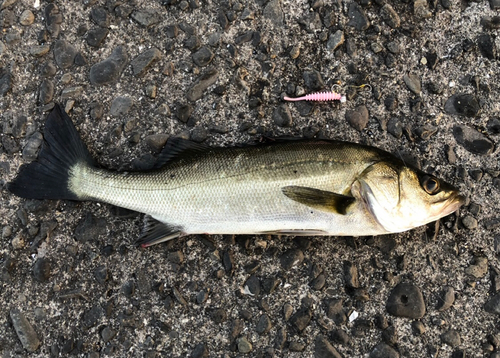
<point x="282" y="116"/>
<point x="313" y="80"/>
<point x="31" y="148"/>
<point x="469" y="222"/>
<point x="201" y="84"/>
<point x="335" y="40"/>
<point x="199" y="134"/>
<point x="301" y="318"/>
<point x="493" y="304"/>
<point x="71" y="92"/>
<point x="156" y="141"/>
<point x="64" y="54"/>
<point x="96" y="36"/>
<point x="451" y="338"/>
<point x="39" y="50"/>
<point x="244" y="345"/>
<point x="291" y="258"/>
<point x="390" y="16"/>
<point x="108" y="334"/>
<point x="406" y="300"/>
<point x="203" y="56"/>
<point x="24" y="329"/>
<point x="264" y="325"/>
<point x="446" y="298"/>
<point x="46" y="92"/>
<point x="146" y="17"/>
<point x="144" y="60"/>
<point x="100" y="16"/>
<point x="324" y="349"/>
<point x="462" y="104"/>
<point x="383" y="350"/>
<point x="120" y="106"/>
<point x="92" y="316"/>
<point x="109" y="70"/>
<point x="5" y="81"/>
<point x="358" y="118"/>
<point x="274" y="12"/>
<point x="42" y="270"/>
<point x="357" y="17"/>
<point x="412" y="81"/>
<point x="472" y="140"/>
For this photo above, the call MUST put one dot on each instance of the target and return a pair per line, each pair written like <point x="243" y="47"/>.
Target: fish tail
<point x="62" y="151"/>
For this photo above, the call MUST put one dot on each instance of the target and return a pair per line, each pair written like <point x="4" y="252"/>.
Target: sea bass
<point x="307" y="187"/>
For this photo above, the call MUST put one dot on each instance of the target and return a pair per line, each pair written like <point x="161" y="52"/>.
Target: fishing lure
<point x="318" y="96"/>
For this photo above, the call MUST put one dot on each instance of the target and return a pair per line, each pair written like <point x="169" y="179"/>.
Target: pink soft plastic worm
<point x="318" y="96"/>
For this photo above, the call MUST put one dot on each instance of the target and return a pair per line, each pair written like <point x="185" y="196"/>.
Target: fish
<point x="286" y="187"/>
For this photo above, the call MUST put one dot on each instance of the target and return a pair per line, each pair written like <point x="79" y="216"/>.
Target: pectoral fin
<point x="319" y="199"/>
<point x="155" y="232"/>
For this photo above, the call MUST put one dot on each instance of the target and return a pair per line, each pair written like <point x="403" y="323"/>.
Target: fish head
<point x="401" y="198"/>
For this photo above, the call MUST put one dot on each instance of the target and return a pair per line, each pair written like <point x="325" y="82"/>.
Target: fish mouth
<point x="454" y="202"/>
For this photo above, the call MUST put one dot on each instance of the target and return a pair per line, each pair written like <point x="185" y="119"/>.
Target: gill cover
<point x="401" y="198"/>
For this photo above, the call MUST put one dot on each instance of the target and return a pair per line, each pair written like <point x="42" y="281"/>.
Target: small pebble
<point x="301" y="319"/>
<point x="383" y="350"/>
<point x="291" y="258"/>
<point x="479" y="267"/>
<point x="64" y="54"/>
<point x="244" y="346"/>
<point x="406" y="300"/>
<point x="357" y="17"/>
<point x="146" y="17"/>
<point x="418" y="328"/>
<point x="26" y="18"/>
<point x="121" y="106"/>
<point x="282" y="116"/>
<point x="358" y="118"/>
<point x="451" y="338"/>
<point x="145" y="60"/>
<point x="24" y="329"/>
<point x="203" y="56"/>
<point x="109" y="70"/>
<point x="469" y="222"/>
<point x="472" y="140"/>
<point x="493" y="304"/>
<point x="201" y="84"/>
<point x="42" y="270"/>
<point x="264" y="325"/>
<point x="390" y="16"/>
<point x="324" y="349"/>
<point x="313" y="80"/>
<point x="335" y="40"/>
<point x="462" y="104"/>
<point x="412" y="81"/>
<point x="446" y="299"/>
<point x="46" y="92"/>
<point x="96" y="36"/>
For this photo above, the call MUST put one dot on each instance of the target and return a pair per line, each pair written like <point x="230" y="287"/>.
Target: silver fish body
<point x="295" y="187"/>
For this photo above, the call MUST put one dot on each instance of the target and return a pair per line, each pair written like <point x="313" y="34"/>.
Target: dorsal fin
<point x="177" y="147"/>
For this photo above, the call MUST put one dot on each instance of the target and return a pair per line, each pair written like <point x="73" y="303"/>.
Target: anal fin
<point x="155" y="232"/>
<point x="319" y="199"/>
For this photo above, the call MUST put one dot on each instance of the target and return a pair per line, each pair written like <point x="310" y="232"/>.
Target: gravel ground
<point x="132" y="73"/>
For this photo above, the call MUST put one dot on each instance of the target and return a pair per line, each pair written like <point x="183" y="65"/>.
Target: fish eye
<point x="430" y="184"/>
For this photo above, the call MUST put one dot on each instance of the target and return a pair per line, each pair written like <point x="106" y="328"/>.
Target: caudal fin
<point x="62" y="149"/>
